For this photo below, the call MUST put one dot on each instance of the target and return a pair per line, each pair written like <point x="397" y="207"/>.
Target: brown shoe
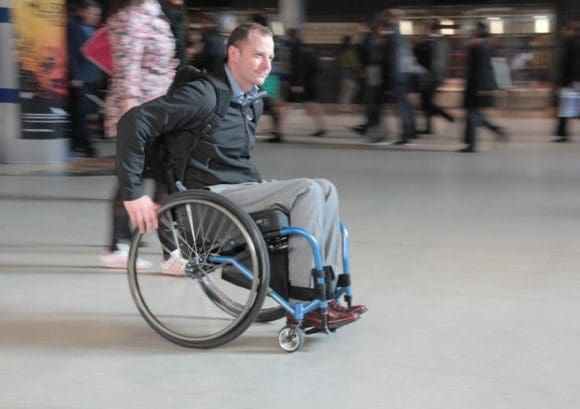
<point x="357" y="309"/>
<point x="314" y="319"/>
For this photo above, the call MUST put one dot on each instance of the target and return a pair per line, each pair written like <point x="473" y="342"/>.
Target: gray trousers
<point x="311" y="203"/>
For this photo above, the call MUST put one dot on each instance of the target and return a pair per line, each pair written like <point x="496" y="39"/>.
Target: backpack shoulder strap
<point x="223" y="95"/>
<point x="175" y="162"/>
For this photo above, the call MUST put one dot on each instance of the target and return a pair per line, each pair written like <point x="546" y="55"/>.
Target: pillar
<point x="17" y="145"/>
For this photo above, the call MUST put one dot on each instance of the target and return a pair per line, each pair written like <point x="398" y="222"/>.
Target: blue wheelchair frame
<point x="298" y="310"/>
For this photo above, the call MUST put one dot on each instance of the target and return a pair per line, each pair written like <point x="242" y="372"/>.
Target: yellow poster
<point x="42" y="55"/>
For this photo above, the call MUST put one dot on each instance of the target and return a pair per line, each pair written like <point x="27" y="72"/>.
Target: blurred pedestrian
<point x="144" y="64"/>
<point x="174" y="10"/>
<point x="569" y="79"/>
<point x="370" y="54"/>
<point x="348" y="65"/>
<point x="401" y="72"/>
<point x="143" y="48"/>
<point x="213" y="53"/>
<point x="194" y="46"/>
<point x="305" y="67"/>
<point x="84" y="75"/>
<point x="480" y="89"/>
<point x="433" y="54"/>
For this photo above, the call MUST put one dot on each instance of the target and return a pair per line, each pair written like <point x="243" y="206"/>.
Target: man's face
<point x="251" y="62"/>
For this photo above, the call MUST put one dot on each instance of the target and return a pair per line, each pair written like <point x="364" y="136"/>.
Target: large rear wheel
<point x="189" y="300"/>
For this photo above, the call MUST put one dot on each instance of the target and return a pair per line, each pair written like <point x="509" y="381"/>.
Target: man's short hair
<point x="242" y="32"/>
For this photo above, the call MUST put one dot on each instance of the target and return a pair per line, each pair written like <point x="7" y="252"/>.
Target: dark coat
<point x="433" y="54"/>
<point x="370" y="51"/>
<point x="481" y="82"/>
<point x="176" y="16"/>
<point x="392" y="67"/>
<point x="80" y="68"/>
<point x="401" y="72"/>
<point x="213" y="54"/>
<point x="208" y="159"/>
<point x="305" y="67"/>
<point x="569" y="61"/>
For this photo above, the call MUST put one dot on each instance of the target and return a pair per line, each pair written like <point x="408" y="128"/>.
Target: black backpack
<point x="167" y="166"/>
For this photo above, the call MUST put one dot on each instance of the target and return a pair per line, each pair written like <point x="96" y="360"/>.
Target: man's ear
<point x="233" y="53"/>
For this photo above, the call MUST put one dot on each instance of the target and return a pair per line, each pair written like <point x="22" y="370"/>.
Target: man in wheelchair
<point x="204" y="129"/>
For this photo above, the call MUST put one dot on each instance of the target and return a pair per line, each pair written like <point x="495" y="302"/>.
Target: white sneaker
<point x="118" y="259"/>
<point x="174" y="265"/>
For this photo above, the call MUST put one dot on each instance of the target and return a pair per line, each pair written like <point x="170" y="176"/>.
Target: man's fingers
<point x="142" y="223"/>
<point x="143" y="213"/>
<point x="139" y="221"/>
<point x="133" y="216"/>
<point x="150" y="219"/>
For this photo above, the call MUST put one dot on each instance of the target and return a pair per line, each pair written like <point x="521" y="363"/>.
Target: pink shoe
<point x="118" y="259"/>
<point x="174" y="265"/>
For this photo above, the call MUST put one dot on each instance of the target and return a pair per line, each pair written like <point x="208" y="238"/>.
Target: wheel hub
<point x="193" y="269"/>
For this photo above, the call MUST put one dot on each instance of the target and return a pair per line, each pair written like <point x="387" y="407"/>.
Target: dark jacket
<point x="213" y="53"/>
<point x="433" y="54"/>
<point x="305" y="68"/>
<point x="80" y="68"/>
<point x="480" y="77"/>
<point x="399" y="63"/>
<point x="370" y="50"/>
<point x="569" y="61"/>
<point x="176" y="17"/>
<point x="174" y="121"/>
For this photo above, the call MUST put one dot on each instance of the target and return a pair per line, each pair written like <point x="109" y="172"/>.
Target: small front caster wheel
<point x="291" y="338"/>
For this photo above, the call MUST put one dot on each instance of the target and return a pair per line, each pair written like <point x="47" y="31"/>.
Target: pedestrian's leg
<point x="315" y="110"/>
<point x="342" y="94"/>
<point x="406" y="113"/>
<point x="496" y="129"/>
<point x="372" y="107"/>
<point x="470" y="129"/>
<point x="121" y="231"/>
<point x="271" y="109"/>
<point x="562" y="130"/>
<point x="436" y="109"/>
<point x="351" y="89"/>
<point x="164" y="232"/>
<point x="80" y="142"/>
<point x="427" y="107"/>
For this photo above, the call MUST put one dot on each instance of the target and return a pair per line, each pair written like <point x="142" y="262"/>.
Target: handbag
<point x="501" y="72"/>
<point x="97" y="49"/>
<point x="569" y="106"/>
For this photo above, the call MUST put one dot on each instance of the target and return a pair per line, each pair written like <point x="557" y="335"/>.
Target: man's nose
<point x="267" y="64"/>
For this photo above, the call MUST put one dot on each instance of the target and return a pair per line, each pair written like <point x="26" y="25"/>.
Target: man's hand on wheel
<point x="143" y="213"/>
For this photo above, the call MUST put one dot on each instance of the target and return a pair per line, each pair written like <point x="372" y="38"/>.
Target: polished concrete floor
<point x="468" y="264"/>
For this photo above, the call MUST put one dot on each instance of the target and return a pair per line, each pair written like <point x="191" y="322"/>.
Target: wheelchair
<point x="235" y="273"/>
